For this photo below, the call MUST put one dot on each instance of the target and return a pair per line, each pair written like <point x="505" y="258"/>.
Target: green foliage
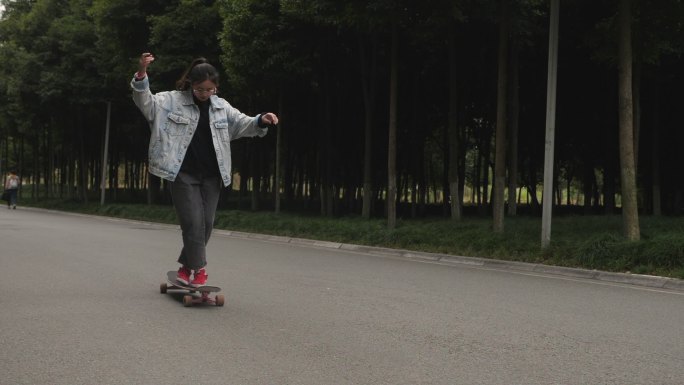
<point x="184" y="30"/>
<point x="265" y="48"/>
<point x="121" y="31"/>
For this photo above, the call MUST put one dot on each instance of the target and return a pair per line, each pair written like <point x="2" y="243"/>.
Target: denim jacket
<point x="173" y="118"/>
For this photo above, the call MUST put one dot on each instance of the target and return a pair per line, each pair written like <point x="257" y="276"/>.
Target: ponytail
<point x="198" y="71"/>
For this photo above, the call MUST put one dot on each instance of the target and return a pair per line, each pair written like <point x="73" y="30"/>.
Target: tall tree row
<point x="389" y="108"/>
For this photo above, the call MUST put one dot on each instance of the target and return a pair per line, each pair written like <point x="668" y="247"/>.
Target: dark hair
<point x="198" y="71"/>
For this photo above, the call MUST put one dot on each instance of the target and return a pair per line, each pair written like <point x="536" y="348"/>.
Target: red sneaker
<point x="183" y="275"/>
<point x="200" y="278"/>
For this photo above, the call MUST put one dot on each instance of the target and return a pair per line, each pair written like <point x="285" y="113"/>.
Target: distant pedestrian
<point x="12" y="184"/>
<point x="190" y="146"/>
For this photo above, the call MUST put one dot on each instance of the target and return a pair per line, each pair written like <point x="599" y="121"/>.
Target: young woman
<point x="190" y="146"/>
<point x="12" y="187"/>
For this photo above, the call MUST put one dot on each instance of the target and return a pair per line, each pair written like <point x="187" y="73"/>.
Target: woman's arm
<point x="142" y="97"/>
<point x="241" y="125"/>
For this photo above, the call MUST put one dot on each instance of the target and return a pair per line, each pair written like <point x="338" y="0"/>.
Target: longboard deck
<point x="189" y="298"/>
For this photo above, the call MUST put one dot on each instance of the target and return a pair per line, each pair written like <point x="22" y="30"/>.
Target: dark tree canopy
<point x="324" y="66"/>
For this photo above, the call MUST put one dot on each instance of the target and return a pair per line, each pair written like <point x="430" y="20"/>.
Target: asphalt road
<point x="80" y="304"/>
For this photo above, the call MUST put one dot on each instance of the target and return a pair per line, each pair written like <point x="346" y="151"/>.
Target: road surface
<point x="80" y="304"/>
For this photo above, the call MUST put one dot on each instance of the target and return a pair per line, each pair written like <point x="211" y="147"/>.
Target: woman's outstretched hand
<point x="269" y="119"/>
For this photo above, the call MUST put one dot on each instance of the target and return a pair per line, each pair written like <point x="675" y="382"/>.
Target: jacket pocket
<point x="222" y="131"/>
<point x="176" y="124"/>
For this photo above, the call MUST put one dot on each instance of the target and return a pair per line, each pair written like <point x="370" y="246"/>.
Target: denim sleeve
<point x="244" y="125"/>
<point x="143" y="98"/>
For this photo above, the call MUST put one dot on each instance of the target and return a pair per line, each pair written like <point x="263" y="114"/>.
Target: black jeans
<point x="12" y="196"/>
<point x="195" y="199"/>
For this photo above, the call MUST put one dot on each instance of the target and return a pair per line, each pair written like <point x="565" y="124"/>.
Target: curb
<point x="649" y="281"/>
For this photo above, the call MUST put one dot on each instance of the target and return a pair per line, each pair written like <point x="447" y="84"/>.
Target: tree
<point x="368" y="57"/>
<point x="392" y="142"/>
<point x="630" y="214"/>
<point x="326" y="65"/>
<point x="498" y="204"/>
<point x="454" y="132"/>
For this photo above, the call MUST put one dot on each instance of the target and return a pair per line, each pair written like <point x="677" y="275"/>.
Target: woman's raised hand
<point x="145" y="60"/>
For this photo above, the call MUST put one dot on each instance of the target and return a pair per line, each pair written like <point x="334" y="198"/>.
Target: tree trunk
<point x="113" y="170"/>
<point x="655" y="152"/>
<point x="50" y="180"/>
<point x="326" y="163"/>
<point x="588" y="187"/>
<point x="244" y="174"/>
<point x="5" y="164"/>
<point x="453" y="128"/>
<point x="70" y="177"/>
<point x="255" y="167"/>
<point x="153" y="187"/>
<point x="513" y="113"/>
<point x="105" y="155"/>
<point x="82" y="167"/>
<point x="630" y="214"/>
<point x="655" y="174"/>
<point x="368" y="75"/>
<point x="568" y="184"/>
<point x="609" y="178"/>
<point x="486" y="164"/>
<point x="636" y="92"/>
<point x="498" y="204"/>
<point x="532" y="187"/>
<point x="35" y="143"/>
<point x="417" y="177"/>
<point x="392" y="145"/>
<point x="21" y="157"/>
<point x="557" y="189"/>
<point x="279" y="144"/>
<point x="477" y="184"/>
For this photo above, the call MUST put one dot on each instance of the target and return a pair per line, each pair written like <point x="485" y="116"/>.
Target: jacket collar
<point x="188" y="100"/>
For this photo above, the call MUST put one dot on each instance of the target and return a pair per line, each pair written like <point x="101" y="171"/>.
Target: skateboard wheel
<point x="162" y="288"/>
<point x="220" y="300"/>
<point x="187" y="300"/>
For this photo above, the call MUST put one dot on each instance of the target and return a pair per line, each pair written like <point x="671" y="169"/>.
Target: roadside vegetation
<point x="590" y="242"/>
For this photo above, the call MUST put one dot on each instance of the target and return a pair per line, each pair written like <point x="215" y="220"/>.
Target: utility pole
<point x="547" y="204"/>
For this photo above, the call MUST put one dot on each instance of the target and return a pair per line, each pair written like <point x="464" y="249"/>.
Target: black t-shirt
<point x="200" y="159"/>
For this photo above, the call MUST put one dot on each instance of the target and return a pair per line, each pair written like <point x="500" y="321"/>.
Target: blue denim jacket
<point x="173" y="118"/>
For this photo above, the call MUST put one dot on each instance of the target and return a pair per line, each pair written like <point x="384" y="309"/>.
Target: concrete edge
<point x="447" y="259"/>
<point x="649" y="281"/>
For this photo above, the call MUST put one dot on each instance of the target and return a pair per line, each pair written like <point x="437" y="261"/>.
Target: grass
<point x="591" y="242"/>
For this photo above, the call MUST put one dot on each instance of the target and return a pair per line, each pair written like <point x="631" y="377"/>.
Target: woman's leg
<point x="195" y="200"/>
<point x="211" y="191"/>
<point x="13" y="197"/>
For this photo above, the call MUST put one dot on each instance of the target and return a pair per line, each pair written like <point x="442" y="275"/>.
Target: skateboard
<point x="189" y="299"/>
